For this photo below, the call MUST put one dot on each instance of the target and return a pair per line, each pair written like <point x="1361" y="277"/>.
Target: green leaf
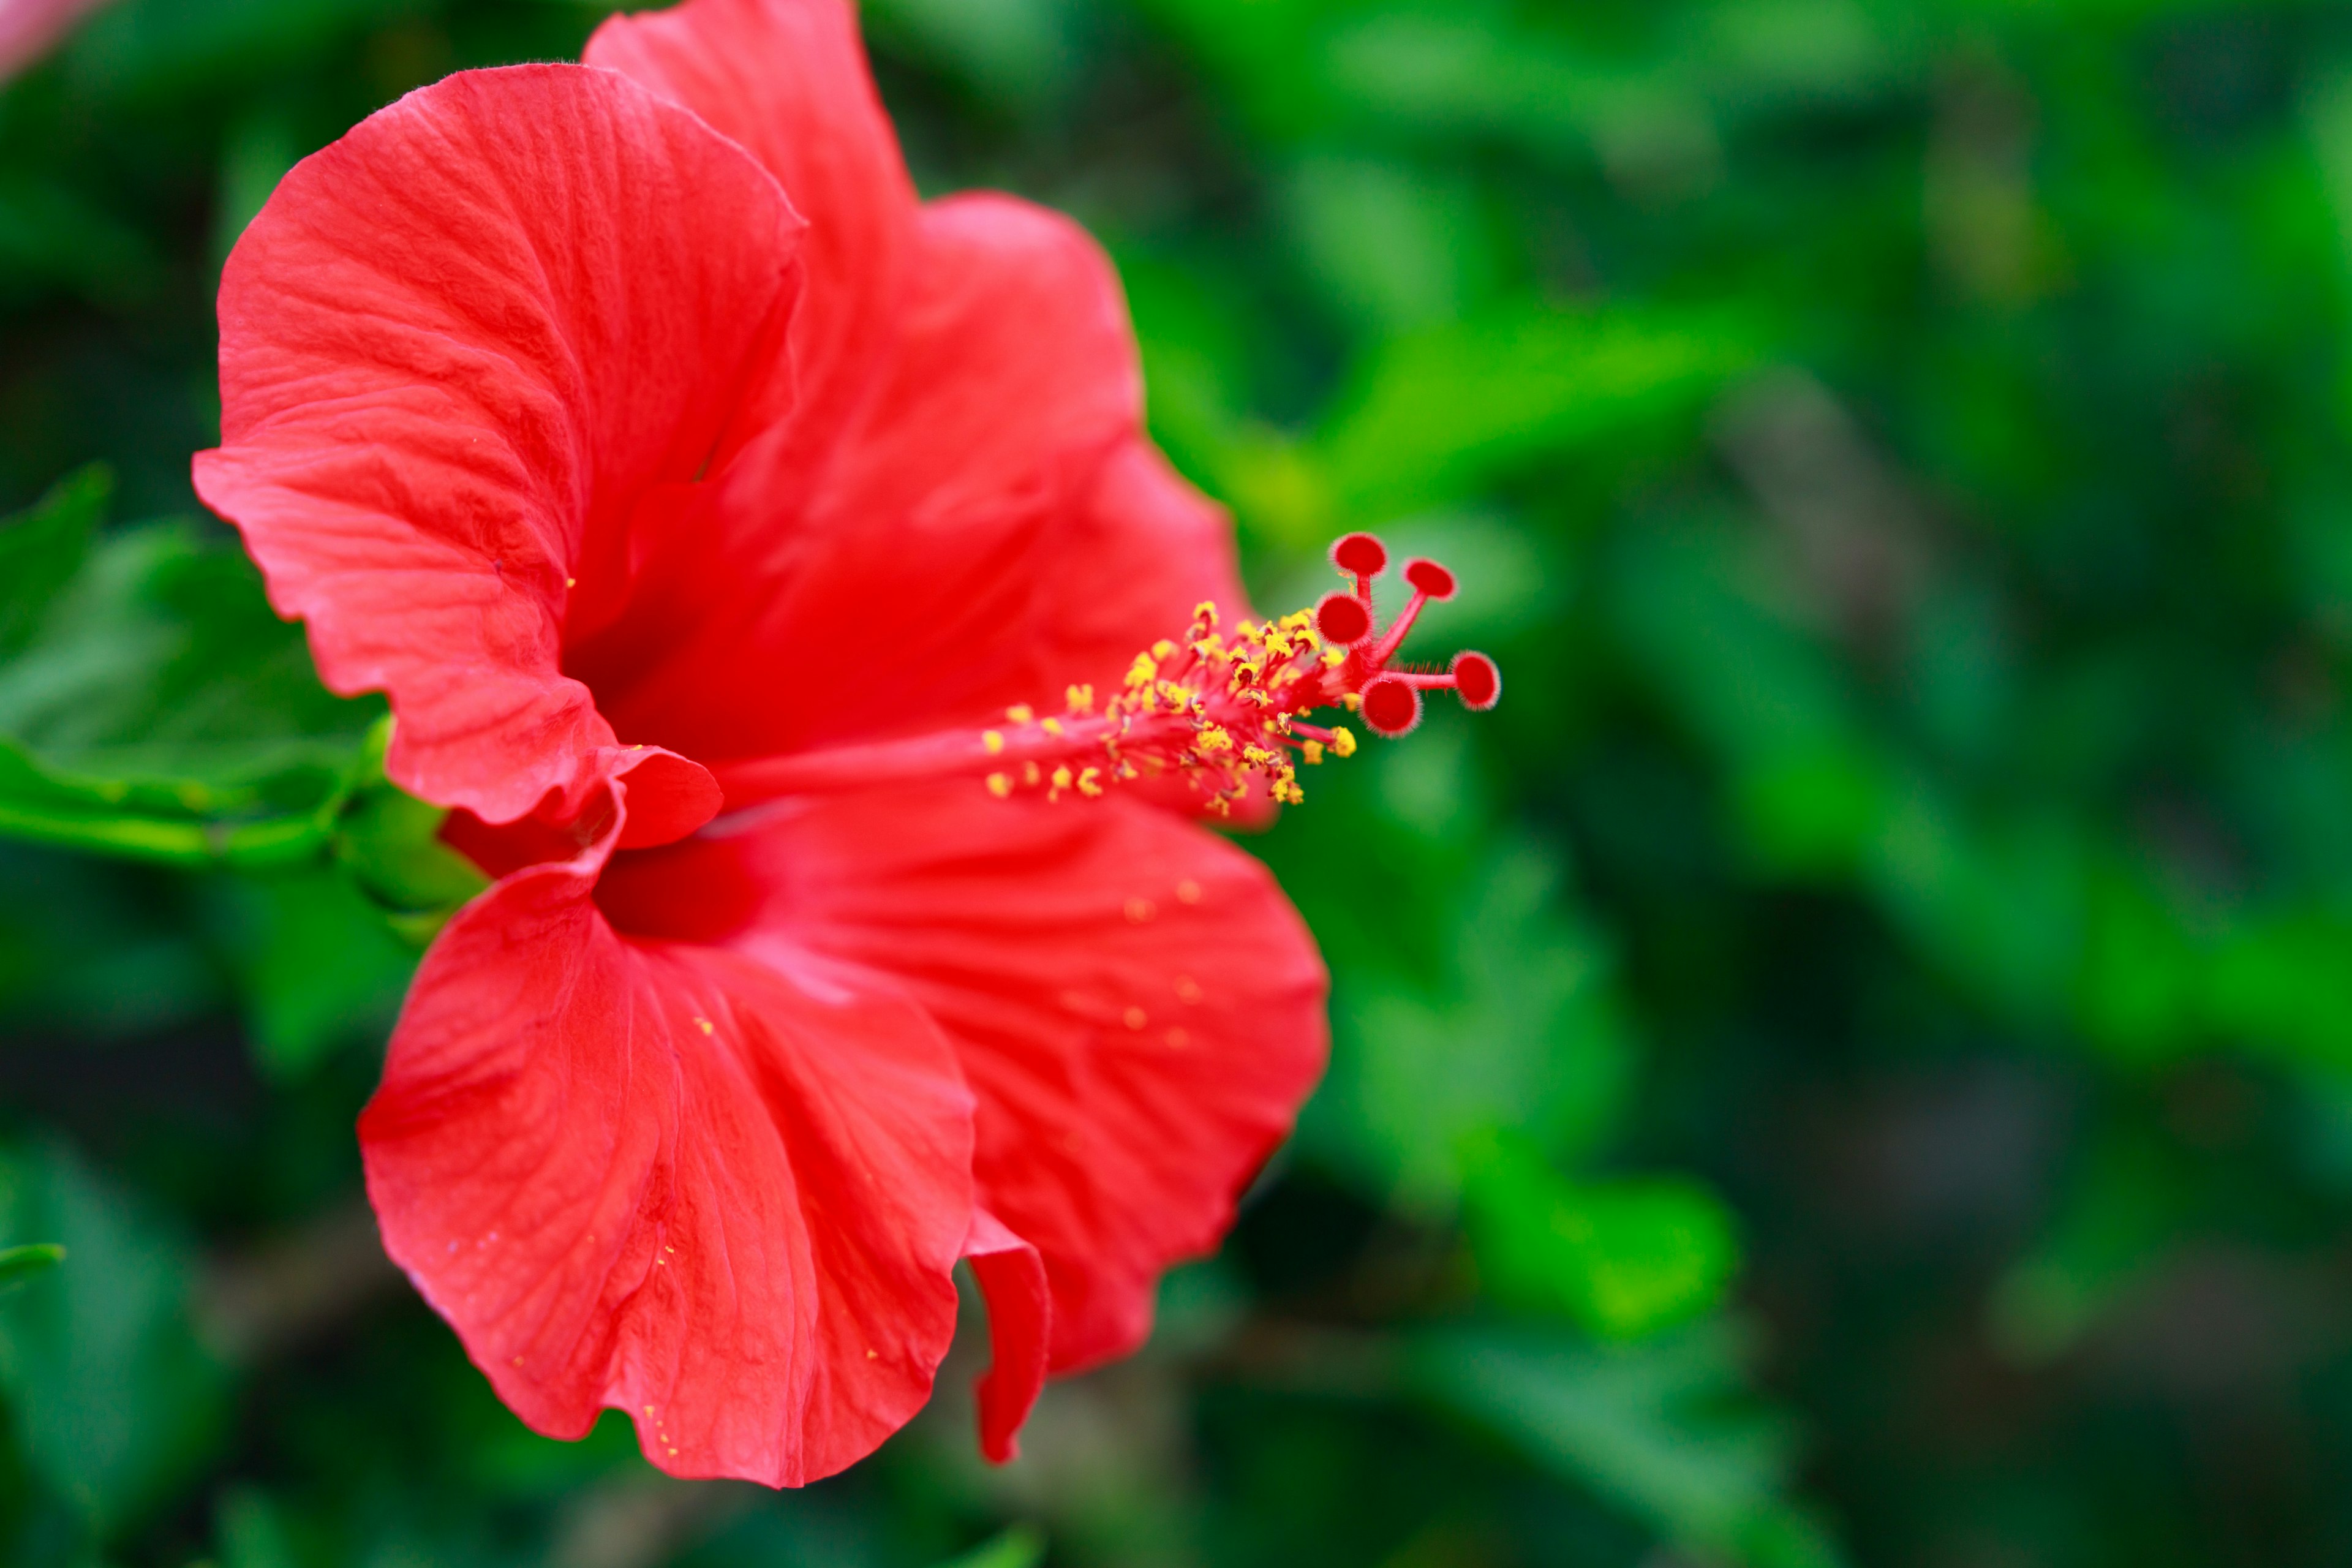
<point x="1624" y="1258"/>
<point x="1664" y="1429"/>
<point x="112" y="1396"/>
<point x="159" y="709"/>
<point x="317" y="964"/>
<point x="1436" y="415"/>
<point x="18" y="1264"/>
<point x="390" y="842"/>
<point x="41" y="549"/>
<point x="1528" y="1037"/>
<point x="1023" y="1546"/>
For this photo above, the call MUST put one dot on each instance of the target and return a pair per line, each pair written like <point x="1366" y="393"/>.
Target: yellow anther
<point x="1021" y="713"/>
<point x="1351" y="702"/>
<point x="1163" y="649"/>
<point x="1333" y="658"/>
<point x="1052" y="726"/>
<point x="992" y="741"/>
<point x="1088" y="784"/>
<point x="1299" y="620"/>
<point x="1206" y="610"/>
<point x="1215" y="739"/>
<point x="1343" y="741"/>
<point x="1061" y="780"/>
<point x="1314" y="753"/>
<point x="1081" y="699"/>
<point x="1143" y="671"/>
<point x="1000" y="785"/>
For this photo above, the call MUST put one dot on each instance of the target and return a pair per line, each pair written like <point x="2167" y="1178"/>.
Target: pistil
<point x="1223" y="711"/>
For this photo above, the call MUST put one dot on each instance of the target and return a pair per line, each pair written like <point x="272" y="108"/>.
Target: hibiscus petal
<point x="995" y="529"/>
<point x="459" y="347"/>
<point x="673" y="1180"/>
<point x="1020" y="1319"/>
<point x="787" y="79"/>
<point x="1133" y="1000"/>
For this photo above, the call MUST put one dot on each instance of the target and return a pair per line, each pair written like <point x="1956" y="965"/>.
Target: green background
<point x="1851" y="1063"/>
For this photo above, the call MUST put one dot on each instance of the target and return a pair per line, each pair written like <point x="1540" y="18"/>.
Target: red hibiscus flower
<point x="707" y="506"/>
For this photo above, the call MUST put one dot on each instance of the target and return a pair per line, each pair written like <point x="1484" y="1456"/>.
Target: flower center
<point x="1224" y="711"/>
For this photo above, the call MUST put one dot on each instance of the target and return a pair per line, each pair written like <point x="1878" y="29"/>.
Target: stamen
<point x="1224" y="712"/>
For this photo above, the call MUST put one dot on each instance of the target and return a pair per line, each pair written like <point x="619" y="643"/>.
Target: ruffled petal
<point x="788" y="80"/>
<point x="461" y="349"/>
<point x="1020" y="1329"/>
<point x="995" y="528"/>
<point x="1134" y="1002"/>
<point x="720" y="1194"/>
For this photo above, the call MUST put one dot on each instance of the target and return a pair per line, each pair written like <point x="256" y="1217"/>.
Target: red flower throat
<point x="1220" y="713"/>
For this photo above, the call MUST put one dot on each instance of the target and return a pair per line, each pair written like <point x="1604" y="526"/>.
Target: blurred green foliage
<point x="1850" y="1062"/>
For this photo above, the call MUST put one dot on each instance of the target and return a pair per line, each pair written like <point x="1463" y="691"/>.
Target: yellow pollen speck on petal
<point x="1052" y="726"/>
<point x="1030" y="773"/>
<point x="1061" y="782"/>
<point x="873" y="1355"/>
<point x="673" y="1453"/>
<point x="1089" y="782"/>
<point x="703" y="1024"/>
<point x="1314" y="753"/>
<point x="1178" y="1039"/>
<point x="1134" y="1018"/>
<point x="571" y="582"/>
<point x="992" y="741"/>
<point x="517" y="1360"/>
<point x="649" y="1410"/>
<point x="1188" y="990"/>
<point x="1187" y="891"/>
<point x="1019" y="713"/>
<point x="1141" y="909"/>
<point x="1343" y="741"/>
<point x="1000" y="785"/>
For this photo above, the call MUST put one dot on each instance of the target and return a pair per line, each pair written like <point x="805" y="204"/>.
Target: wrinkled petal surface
<point x="466" y="354"/>
<point x="1020" y="1329"/>
<point x="788" y="81"/>
<point x="992" y="529"/>
<point x="722" y="1194"/>
<point x="1135" y="1004"/>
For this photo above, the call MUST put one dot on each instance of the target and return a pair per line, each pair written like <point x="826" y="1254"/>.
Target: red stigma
<point x="1392" y="706"/>
<point x="1476" y="681"/>
<point x="1360" y="555"/>
<point x="1343" y="618"/>
<point x="1225" y="710"/>
<point x="1430" y="578"/>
